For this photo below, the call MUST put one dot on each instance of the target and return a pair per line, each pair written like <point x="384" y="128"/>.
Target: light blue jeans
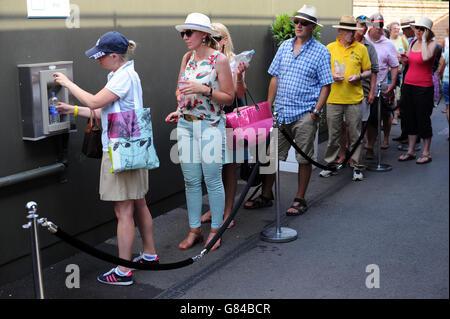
<point x="200" y="150"/>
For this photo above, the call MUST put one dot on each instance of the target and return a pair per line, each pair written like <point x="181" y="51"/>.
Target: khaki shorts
<point x="303" y="131"/>
<point x="121" y="186"/>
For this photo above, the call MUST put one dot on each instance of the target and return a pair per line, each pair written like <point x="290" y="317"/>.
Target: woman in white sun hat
<point x="419" y="89"/>
<point x="205" y="85"/>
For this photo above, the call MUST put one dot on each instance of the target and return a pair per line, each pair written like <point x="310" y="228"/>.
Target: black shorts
<point x="386" y="110"/>
<point x="418" y="108"/>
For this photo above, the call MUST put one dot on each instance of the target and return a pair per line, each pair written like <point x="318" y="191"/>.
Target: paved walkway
<point x="395" y="222"/>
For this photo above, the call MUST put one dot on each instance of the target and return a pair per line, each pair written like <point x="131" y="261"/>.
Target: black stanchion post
<point x="277" y="234"/>
<point x="31" y="208"/>
<point x="379" y="167"/>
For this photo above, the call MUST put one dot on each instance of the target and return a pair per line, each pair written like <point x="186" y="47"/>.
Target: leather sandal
<point x="300" y="209"/>
<point x="194" y="236"/>
<point x="259" y="202"/>
<point x="427" y="159"/>
<point x="407" y="157"/>
<point x="211" y="235"/>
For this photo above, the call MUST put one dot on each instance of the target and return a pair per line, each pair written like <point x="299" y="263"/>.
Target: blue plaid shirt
<point x="300" y="78"/>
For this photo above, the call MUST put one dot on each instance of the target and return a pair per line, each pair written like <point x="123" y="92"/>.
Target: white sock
<point x="149" y="257"/>
<point x="121" y="273"/>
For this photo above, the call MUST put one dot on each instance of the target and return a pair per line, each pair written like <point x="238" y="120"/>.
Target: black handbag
<point x="92" y="143"/>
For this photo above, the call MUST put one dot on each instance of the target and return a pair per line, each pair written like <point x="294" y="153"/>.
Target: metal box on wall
<point x="36" y="84"/>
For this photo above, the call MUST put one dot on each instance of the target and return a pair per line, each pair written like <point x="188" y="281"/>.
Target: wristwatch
<point x="316" y="112"/>
<point x="210" y="93"/>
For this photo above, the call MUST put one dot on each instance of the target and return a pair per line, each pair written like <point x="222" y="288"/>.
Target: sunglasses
<point x="218" y="38"/>
<point x="420" y="29"/>
<point x="188" y="33"/>
<point x="362" y="17"/>
<point x="303" y="22"/>
<point x="378" y="25"/>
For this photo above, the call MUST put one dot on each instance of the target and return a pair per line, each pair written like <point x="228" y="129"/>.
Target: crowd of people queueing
<point x="305" y="76"/>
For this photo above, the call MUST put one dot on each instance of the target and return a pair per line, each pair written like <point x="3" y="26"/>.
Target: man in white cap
<point x="350" y="64"/>
<point x="388" y="62"/>
<point x="300" y="84"/>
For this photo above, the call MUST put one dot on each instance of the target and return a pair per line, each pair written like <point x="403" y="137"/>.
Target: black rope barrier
<point x="116" y="260"/>
<point x="329" y="167"/>
<point x="58" y="232"/>
<point x="235" y="208"/>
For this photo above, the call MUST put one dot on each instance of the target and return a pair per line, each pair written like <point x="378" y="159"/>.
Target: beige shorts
<point x="303" y="131"/>
<point x="121" y="186"/>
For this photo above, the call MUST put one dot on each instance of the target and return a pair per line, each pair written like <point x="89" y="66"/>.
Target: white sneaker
<point x="357" y="175"/>
<point x="326" y="173"/>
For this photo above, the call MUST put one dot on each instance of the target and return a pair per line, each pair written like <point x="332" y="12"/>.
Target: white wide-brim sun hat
<point x="199" y="22"/>
<point x="423" y="22"/>
<point x="308" y="13"/>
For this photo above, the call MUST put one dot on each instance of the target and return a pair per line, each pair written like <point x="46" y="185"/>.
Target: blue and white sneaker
<point x="112" y="277"/>
<point x="326" y="173"/>
<point x="143" y="259"/>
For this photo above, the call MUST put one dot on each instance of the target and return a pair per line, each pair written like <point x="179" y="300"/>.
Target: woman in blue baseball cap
<point x="127" y="189"/>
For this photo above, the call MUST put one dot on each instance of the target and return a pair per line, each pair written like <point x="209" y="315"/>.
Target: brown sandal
<point x="195" y="236"/>
<point x="427" y="158"/>
<point x="407" y="157"/>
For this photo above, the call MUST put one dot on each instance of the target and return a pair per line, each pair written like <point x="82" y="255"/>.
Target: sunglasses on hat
<point x="303" y="22"/>
<point x="218" y="38"/>
<point x="378" y="24"/>
<point x="188" y="33"/>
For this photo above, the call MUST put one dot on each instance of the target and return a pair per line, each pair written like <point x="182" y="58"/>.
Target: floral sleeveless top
<point x="205" y="73"/>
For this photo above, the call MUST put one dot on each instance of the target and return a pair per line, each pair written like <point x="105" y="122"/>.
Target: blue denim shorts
<point x="445" y="91"/>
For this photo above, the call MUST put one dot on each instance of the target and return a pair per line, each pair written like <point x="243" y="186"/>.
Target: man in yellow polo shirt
<point x="350" y="63"/>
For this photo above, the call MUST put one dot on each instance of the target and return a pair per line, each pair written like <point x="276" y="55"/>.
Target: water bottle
<point x="180" y="85"/>
<point x="245" y="57"/>
<point x="52" y="111"/>
<point x="337" y="67"/>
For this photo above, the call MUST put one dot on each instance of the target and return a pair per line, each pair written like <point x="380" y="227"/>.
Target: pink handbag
<point x="250" y="125"/>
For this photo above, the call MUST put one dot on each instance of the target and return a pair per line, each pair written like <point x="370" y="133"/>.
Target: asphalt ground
<point x="390" y="230"/>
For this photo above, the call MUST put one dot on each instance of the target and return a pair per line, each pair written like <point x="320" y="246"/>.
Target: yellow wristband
<point x="75" y="112"/>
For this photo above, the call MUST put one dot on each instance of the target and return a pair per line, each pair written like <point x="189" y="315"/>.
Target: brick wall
<point x="440" y="28"/>
<point x="437" y="11"/>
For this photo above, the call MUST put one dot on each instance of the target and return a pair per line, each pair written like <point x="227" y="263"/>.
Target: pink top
<point x="387" y="56"/>
<point x="419" y="72"/>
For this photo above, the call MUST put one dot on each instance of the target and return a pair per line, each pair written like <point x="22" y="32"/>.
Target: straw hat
<point x="308" y="13"/>
<point x="405" y="22"/>
<point x="347" y="23"/>
<point x="198" y="22"/>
